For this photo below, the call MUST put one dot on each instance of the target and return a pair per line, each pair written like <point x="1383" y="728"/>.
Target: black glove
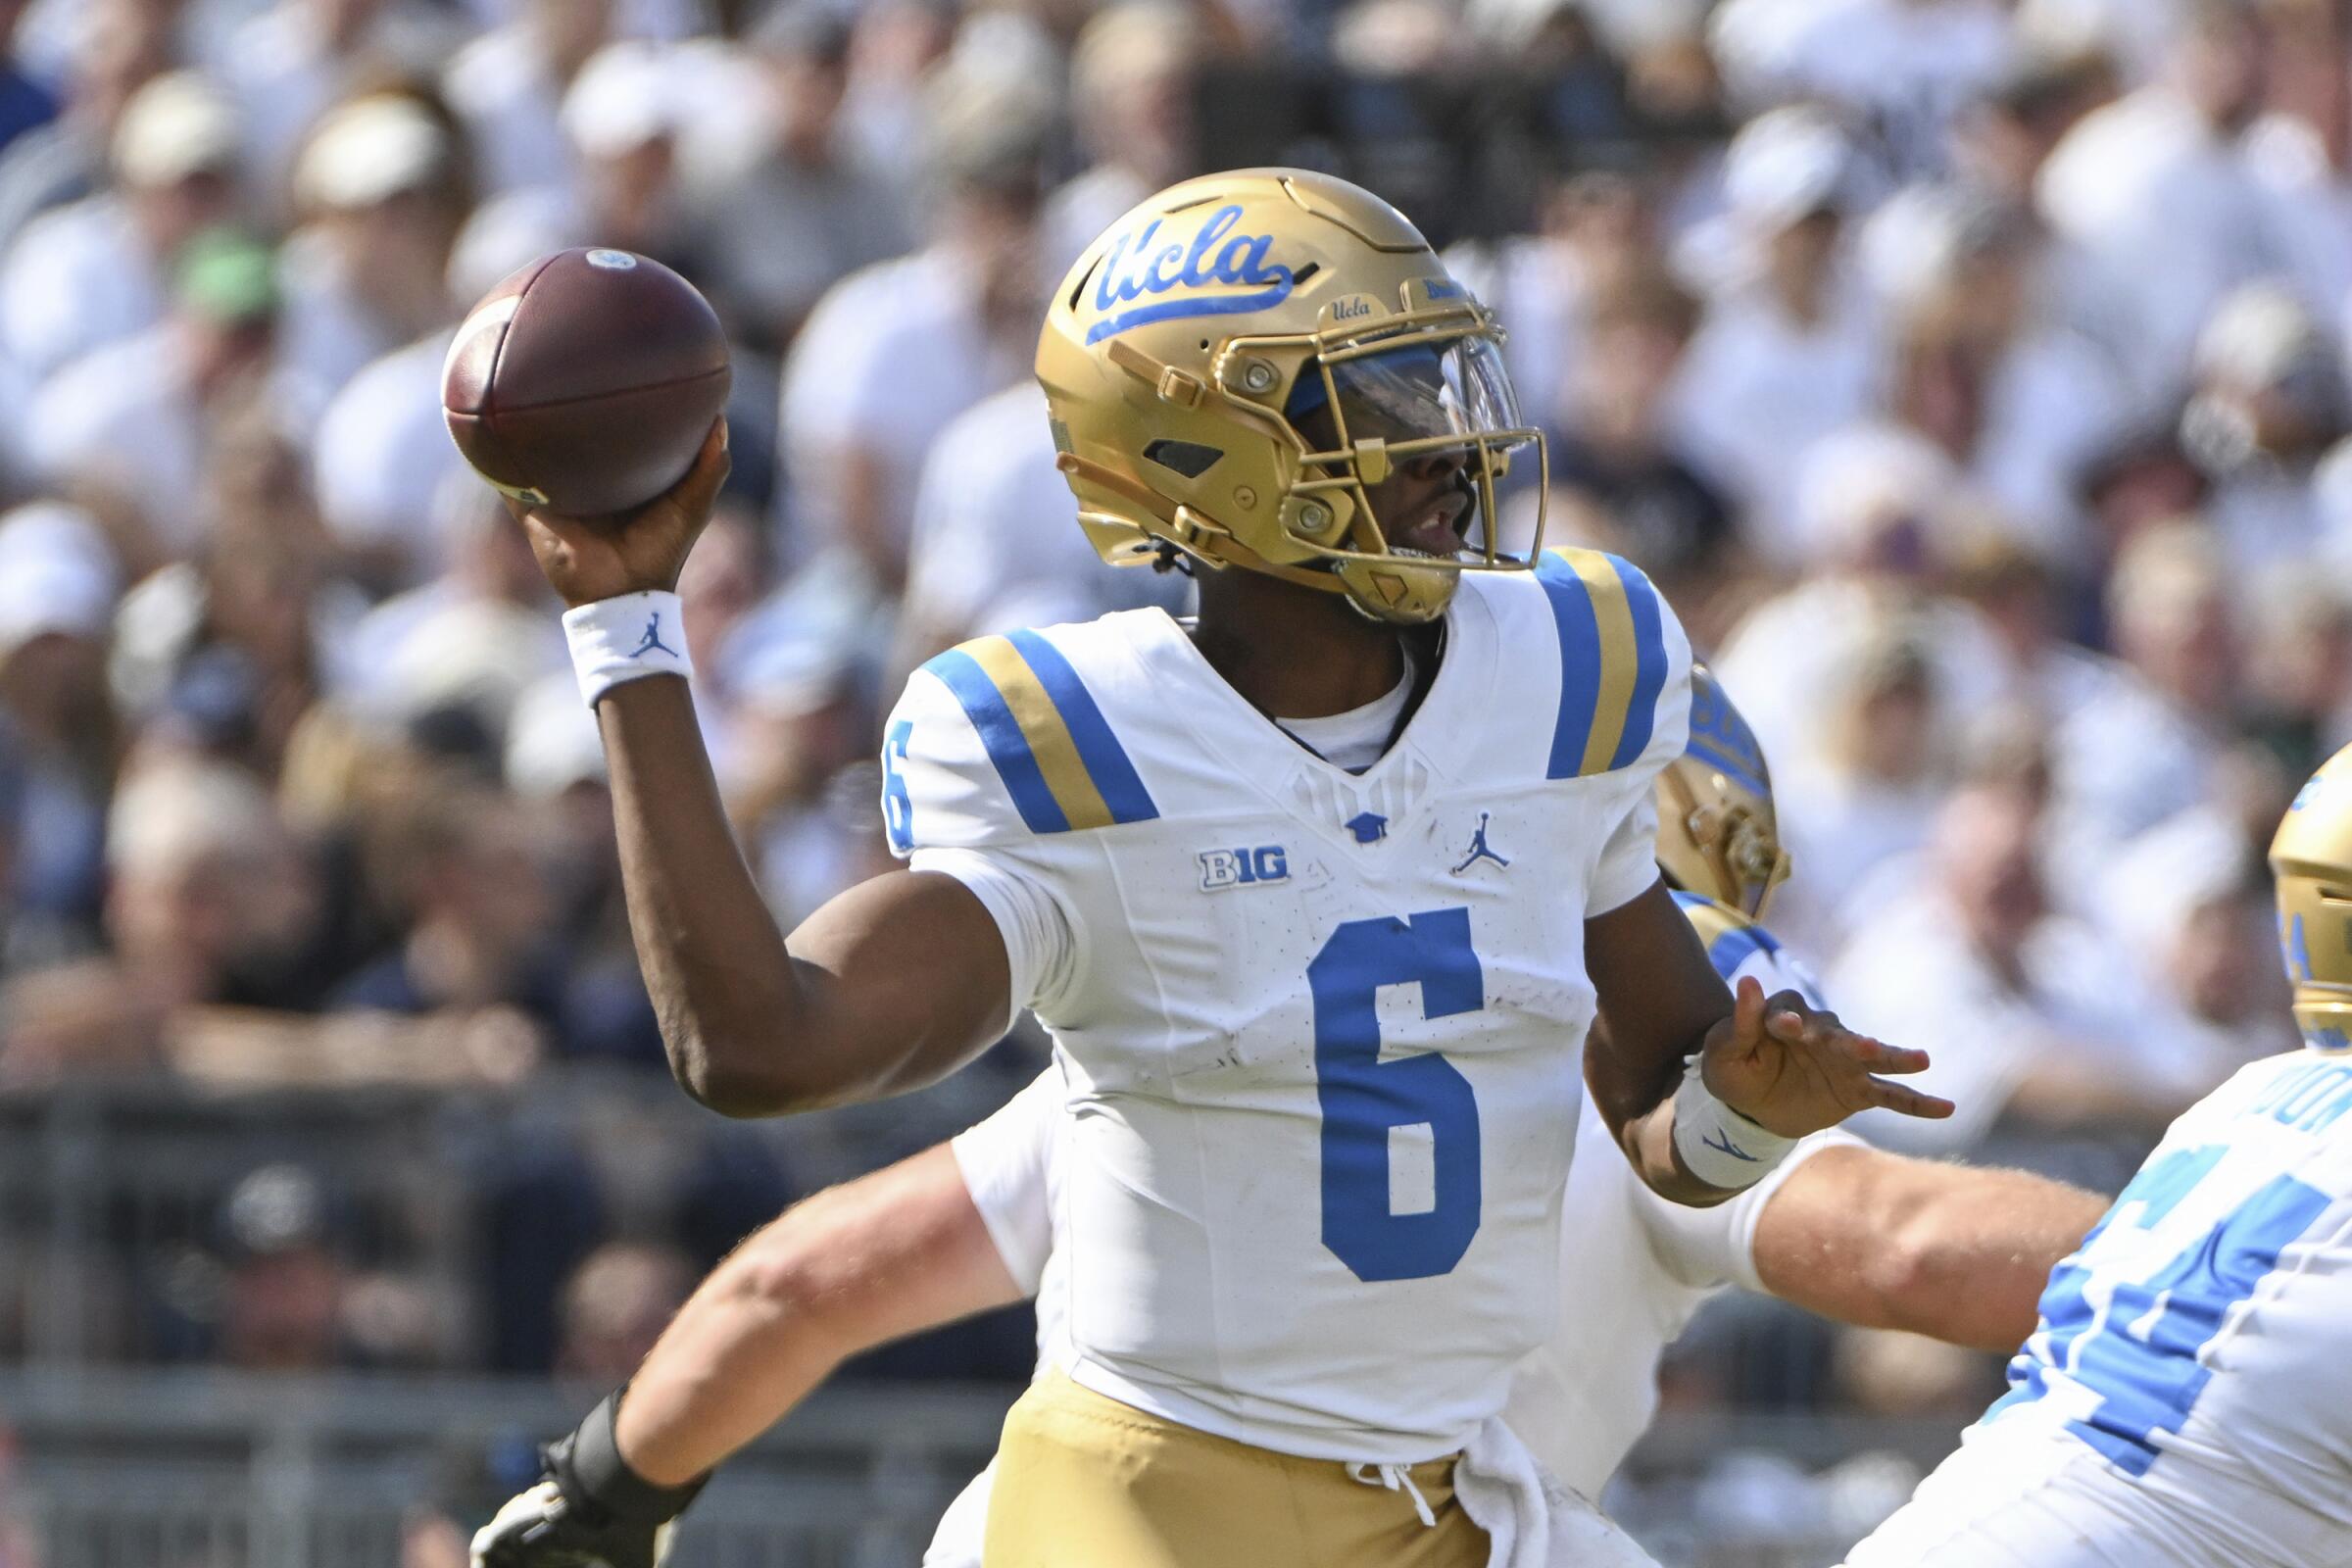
<point x="588" y="1509"/>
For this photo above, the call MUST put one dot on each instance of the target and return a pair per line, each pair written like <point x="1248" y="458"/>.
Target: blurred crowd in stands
<point x="1970" y="373"/>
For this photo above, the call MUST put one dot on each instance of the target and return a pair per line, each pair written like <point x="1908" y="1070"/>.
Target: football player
<point x="1849" y="1232"/>
<point x="2186" y="1398"/>
<point x="1317" y="897"/>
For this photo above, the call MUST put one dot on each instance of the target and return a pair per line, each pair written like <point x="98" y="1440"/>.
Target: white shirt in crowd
<point x="76" y="279"/>
<point x="888" y="357"/>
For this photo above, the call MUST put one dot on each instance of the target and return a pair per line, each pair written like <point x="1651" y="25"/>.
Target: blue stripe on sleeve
<point x="1106" y="762"/>
<point x="1737" y="945"/>
<point x="1649" y="677"/>
<point x="1580" y="665"/>
<point x="1007" y="747"/>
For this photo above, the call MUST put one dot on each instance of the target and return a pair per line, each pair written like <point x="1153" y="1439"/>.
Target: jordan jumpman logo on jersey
<point x="1479" y="847"/>
<point x="653" y="638"/>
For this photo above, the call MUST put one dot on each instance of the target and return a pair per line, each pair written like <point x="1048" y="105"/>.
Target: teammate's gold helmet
<point x="1718" y="834"/>
<point x="1186" y="346"/>
<point x="2312" y="857"/>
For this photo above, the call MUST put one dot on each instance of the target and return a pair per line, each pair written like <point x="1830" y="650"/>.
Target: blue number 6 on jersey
<point x="1364" y="1097"/>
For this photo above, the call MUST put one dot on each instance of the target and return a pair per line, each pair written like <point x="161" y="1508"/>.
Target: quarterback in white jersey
<point x="1843" y="1229"/>
<point x="2186" y="1398"/>
<point x="1318" y="1017"/>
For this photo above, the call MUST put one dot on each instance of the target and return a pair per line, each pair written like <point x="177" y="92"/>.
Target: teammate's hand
<point x="541" y="1528"/>
<point x="587" y="1510"/>
<point x="1793" y="1069"/>
<point x="587" y="558"/>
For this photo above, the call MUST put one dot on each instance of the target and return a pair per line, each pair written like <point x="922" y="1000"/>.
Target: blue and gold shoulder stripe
<point x="1730" y="938"/>
<point x="1613" y="659"/>
<point x="1045" y="734"/>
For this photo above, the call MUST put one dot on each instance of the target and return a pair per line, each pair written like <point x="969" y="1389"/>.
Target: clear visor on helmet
<point x="1374" y="411"/>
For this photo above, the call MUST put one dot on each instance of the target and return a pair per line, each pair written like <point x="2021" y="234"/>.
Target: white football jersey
<point x="1320" y="1033"/>
<point x="2187" y="1400"/>
<point x="1633" y="1267"/>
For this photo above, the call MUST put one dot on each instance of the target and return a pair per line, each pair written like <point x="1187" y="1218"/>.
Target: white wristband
<point x="1721" y="1146"/>
<point x="625" y="639"/>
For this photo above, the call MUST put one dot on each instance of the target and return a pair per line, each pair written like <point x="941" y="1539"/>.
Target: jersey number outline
<point x="2138" y="1349"/>
<point x="1363" y="1098"/>
<point x="898" y="808"/>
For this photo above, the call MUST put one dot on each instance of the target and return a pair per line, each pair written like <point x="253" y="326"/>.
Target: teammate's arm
<point x="875" y="1260"/>
<point x="1786" y="1066"/>
<point x="1955" y="1253"/>
<point x="887" y="987"/>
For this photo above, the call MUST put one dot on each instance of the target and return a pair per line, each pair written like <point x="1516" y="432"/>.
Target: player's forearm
<point x="1658" y="997"/>
<point x="887" y="1256"/>
<point x="1955" y="1253"/>
<point x="716" y="965"/>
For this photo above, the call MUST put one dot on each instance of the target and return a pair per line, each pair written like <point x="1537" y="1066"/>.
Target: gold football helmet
<point x="1189" y="346"/>
<point x="2312" y="857"/>
<point x="1718" y="834"/>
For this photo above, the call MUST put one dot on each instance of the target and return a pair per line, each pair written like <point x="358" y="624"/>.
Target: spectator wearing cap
<point x="507" y="89"/>
<point x="58" y="583"/>
<point x="2270" y="409"/>
<point x="97" y="272"/>
<point x="132" y="420"/>
<point x="623" y="118"/>
<point x="894" y="352"/>
<point x="800" y="207"/>
<point x="1788" y="352"/>
<point x="1131" y="92"/>
<point x="2160" y="174"/>
<point x="288" y="63"/>
<point x="382" y="187"/>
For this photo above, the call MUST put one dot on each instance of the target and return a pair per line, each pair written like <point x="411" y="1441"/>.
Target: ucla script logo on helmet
<point x="1217" y="273"/>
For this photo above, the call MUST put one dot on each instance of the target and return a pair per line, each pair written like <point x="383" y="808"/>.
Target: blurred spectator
<point x="2270" y="406"/>
<point x="1966" y="962"/>
<point x="963" y="308"/>
<point x="616" y="1305"/>
<point x="506" y="87"/>
<point x="281" y="1302"/>
<point x="1902" y="68"/>
<point x="290" y="62"/>
<point x="2300" y="151"/>
<point x="382" y="185"/>
<point x="2017" y="399"/>
<point x="122" y="43"/>
<point x="2145" y="751"/>
<point x="58" y="582"/>
<point x="1787" y="353"/>
<point x="804" y="206"/>
<point x="1879" y="517"/>
<point x="1617" y="478"/>
<point x="1131" y="90"/>
<point x="98" y="271"/>
<point x="996" y="541"/>
<point x="2159" y="172"/>
<point x="133" y="420"/>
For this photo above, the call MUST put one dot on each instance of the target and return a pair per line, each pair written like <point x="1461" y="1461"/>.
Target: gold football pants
<point x="1085" y="1482"/>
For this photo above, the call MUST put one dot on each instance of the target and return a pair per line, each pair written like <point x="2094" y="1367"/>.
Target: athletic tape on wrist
<point x="625" y="639"/>
<point x="1721" y="1146"/>
<point x="599" y="1475"/>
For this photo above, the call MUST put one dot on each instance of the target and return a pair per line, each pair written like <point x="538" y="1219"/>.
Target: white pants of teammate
<point x="2015" y="1498"/>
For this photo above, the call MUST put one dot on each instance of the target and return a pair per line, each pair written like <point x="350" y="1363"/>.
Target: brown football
<point x="586" y="381"/>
